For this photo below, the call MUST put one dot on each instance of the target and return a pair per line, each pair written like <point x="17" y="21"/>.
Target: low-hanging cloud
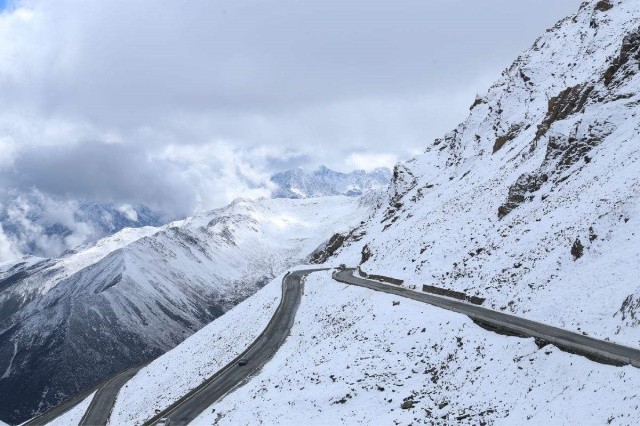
<point x="185" y="105"/>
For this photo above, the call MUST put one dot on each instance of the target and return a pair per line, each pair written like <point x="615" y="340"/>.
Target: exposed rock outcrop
<point x="604" y="5"/>
<point x="570" y="101"/>
<point x="626" y="64"/>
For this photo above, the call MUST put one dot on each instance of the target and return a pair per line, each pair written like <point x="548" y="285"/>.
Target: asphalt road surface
<point x="187" y="408"/>
<point x="102" y="403"/>
<point x="55" y="412"/>
<point x="597" y="350"/>
<point x="257" y="354"/>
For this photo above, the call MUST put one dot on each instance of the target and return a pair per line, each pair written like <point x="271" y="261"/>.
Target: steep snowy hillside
<point x="357" y="356"/>
<point x="69" y="323"/>
<point x="534" y="201"/>
<point x="299" y="183"/>
<point x="32" y="223"/>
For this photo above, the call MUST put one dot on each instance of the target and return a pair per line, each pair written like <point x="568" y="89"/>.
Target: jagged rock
<point x="408" y="404"/>
<point x="628" y="310"/>
<point x="335" y="243"/>
<point x="630" y="50"/>
<point x="402" y="182"/>
<point x="603" y="5"/>
<point x="478" y="101"/>
<point x="366" y="254"/>
<point x="510" y="135"/>
<point x="577" y="249"/>
<point x="521" y="191"/>
<point x="570" y="101"/>
<point x="332" y="246"/>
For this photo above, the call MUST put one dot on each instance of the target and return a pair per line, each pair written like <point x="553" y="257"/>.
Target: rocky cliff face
<point x="534" y="200"/>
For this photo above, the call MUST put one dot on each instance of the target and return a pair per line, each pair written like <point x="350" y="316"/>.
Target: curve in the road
<point x="52" y="414"/>
<point x="101" y="404"/>
<point x="256" y="355"/>
<point x="103" y="401"/>
<point x="187" y="408"/>
<point x="597" y="350"/>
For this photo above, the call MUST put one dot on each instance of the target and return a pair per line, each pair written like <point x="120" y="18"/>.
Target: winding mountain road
<point x="101" y="403"/>
<point x="597" y="350"/>
<point x="187" y="408"/>
<point x="256" y="355"/>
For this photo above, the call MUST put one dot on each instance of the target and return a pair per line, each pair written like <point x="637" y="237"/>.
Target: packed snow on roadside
<point x="171" y="376"/>
<point x="73" y="416"/>
<point x="354" y="357"/>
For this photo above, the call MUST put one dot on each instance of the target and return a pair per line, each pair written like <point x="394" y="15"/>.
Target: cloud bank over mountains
<point x="184" y="107"/>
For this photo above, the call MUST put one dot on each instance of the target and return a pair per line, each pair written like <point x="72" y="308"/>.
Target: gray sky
<point x="185" y="105"/>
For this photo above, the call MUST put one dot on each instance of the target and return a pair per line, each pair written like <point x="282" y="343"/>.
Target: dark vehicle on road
<point x="243" y="361"/>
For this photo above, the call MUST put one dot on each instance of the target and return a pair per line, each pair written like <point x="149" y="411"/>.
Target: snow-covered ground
<point x="72" y="322"/>
<point x="354" y="357"/>
<point x="171" y="376"/>
<point x="534" y="201"/>
<point x="73" y="416"/>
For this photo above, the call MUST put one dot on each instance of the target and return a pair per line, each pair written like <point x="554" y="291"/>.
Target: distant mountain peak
<point x="323" y="182"/>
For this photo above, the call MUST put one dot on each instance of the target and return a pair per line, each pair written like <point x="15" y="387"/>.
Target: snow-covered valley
<point x="532" y="203"/>
<point x="69" y="323"/>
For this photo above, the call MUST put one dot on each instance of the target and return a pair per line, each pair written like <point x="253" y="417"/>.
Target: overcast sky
<point x="186" y="105"/>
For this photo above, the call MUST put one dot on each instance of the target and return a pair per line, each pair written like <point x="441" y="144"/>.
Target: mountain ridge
<point x="68" y="323"/>
<point x="299" y="183"/>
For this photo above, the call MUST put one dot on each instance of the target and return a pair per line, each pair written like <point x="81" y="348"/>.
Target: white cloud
<point x="129" y="212"/>
<point x="128" y="99"/>
<point x="7" y="151"/>
<point x="8" y="251"/>
<point x="368" y="162"/>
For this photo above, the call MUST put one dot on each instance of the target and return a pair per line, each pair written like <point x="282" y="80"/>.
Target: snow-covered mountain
<point x="299" y="183"/>
<point x="32" y="223"/>
<point x="39" y="224"/>
<point x="533" y="202"/>
<point x="67" y="323"/>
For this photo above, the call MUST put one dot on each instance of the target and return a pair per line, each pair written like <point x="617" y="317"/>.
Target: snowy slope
<point x="73" y="416"/>
<point x="183" y="368"/>
<point x="140" y="292"/>
<point x="298" y="183"/>
<point x="534" y="201"/>
<point x="354" y="358"/>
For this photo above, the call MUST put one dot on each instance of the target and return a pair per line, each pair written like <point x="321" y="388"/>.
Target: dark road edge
<point x="102" y="404"/>
<point x="57" y="411"/>
<point x="596" y="350"/>
<point x="202" y="388"/>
